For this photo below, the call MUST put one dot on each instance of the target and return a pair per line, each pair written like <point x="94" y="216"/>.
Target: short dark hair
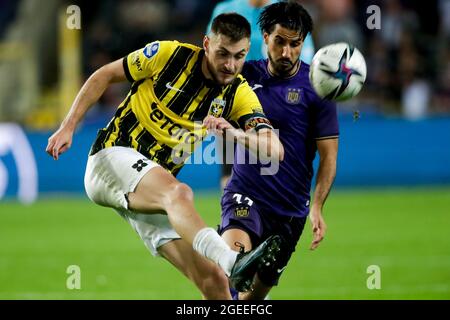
<point x="232" y="25"/>
<point x="290" y="15"/>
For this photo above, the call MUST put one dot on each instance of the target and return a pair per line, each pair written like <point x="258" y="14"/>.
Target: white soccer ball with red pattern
<point x="338" y="72"/>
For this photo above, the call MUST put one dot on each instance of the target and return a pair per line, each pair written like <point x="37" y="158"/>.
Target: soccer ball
<point x="338" y="71"/>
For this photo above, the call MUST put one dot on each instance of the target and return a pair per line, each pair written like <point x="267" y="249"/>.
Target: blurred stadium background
<point x="390" y="206"/>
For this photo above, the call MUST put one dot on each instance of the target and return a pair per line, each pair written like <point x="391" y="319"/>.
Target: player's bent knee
<point x="180" y="192"/>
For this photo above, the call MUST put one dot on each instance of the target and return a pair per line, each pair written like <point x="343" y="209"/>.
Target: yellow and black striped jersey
<point x="162" y="115"/>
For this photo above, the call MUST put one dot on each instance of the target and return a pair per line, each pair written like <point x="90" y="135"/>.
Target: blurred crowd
<point x="8" y="10"/>
<point x="408" y="56"/>
<point x="407" y="51"/>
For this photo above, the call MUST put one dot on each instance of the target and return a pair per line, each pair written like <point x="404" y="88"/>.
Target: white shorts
<point x="114" y="172"/>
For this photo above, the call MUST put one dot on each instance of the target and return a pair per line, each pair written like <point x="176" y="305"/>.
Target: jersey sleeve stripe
<point x="127" y="70"/>
<point x="263" y="126"/>
<point x="254" y="120"/>
<point x="328" y="137"/>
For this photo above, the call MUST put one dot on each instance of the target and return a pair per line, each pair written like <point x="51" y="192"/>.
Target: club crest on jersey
<point x="241" y="212"/>
<point x="217" y="107"/>
<point x="151" y="49"/>
<point x="293" y="96"/>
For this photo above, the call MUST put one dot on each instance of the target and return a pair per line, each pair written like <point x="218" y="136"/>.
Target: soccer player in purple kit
<point x="256" y="206"/>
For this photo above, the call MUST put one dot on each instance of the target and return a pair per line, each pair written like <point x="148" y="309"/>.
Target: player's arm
<point x="88" y="95"/>
<point x="263" y="143"/>
<point x="326" y="173"/>
<point x="255" y="131"/>
<point x="140" y="64"/>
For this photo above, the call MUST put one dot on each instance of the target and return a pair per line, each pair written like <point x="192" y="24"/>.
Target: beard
<point x="282" y="67"/>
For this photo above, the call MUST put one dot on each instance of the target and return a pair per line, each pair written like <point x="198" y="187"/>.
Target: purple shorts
<point x="241" y="212"/>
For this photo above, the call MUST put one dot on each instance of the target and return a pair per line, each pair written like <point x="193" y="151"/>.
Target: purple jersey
<point x="301" y="117"/>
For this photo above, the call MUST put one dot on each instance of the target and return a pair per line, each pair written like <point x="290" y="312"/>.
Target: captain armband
<point x="258" y="123"/>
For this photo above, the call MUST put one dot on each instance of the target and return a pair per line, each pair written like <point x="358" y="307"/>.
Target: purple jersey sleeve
<point x="326" y="124"/>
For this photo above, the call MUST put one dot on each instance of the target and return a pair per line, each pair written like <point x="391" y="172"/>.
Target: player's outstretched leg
<point x="159" y="190"/>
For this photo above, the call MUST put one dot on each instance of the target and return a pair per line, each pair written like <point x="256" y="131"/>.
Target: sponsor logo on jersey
<point x="136" y="61"/>
<point x="256" y="86"/>
<point x="217" y="107"/>
<point x="186" y="139"/>
<point x="293" y="96"/>
<point x="168" y="86"/>
<point x="151" y="49"/>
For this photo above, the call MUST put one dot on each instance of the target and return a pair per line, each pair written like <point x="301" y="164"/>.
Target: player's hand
<point x="220" y="126"/>
<point x="318" y="227"/>
<point x="59" y="142"/>
<point x="216" y="125"/>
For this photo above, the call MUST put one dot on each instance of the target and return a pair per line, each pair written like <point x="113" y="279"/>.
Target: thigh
<point x="149" y="194"/>
<point x="114" y="172"/>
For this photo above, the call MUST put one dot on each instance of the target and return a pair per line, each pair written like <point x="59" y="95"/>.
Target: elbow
<point x="97" y="79"/>
<point x="102" y="75"/>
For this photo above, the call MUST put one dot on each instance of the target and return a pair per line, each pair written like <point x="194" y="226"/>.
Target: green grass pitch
<point x="403" y="231"/>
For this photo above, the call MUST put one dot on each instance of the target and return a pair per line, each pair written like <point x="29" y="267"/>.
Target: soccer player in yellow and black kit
<point x="178" y="92"/>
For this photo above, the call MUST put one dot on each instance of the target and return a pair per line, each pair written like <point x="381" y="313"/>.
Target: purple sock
<point x="234" y="294"/>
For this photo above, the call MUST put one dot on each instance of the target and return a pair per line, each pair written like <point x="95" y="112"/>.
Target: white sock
<point x="209" y="244"/>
